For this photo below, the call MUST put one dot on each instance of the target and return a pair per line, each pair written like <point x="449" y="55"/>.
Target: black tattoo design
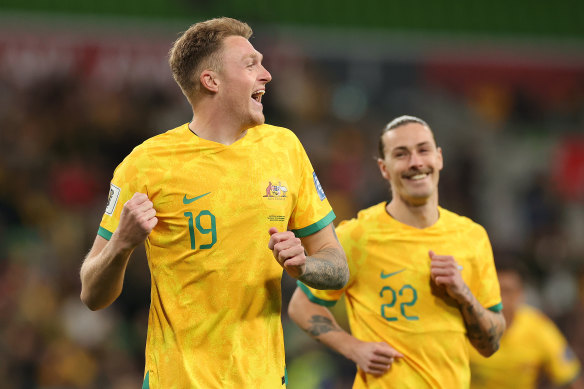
<point x="484" y="328"/>
<point x="327" y="271"/>
<point x="320" y="325"/>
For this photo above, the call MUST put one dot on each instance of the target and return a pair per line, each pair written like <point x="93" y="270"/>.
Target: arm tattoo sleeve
<point x="328" y="270"/>
<point x="484" y="328"/>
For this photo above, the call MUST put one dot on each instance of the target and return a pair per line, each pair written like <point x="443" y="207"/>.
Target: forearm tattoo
<point x="328" y="270"/>
<point x="484" y="328"/>
<point x="320" y="325"/>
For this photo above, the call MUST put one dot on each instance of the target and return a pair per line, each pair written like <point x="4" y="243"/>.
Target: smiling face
<point x="411" y="164"/>
<point x="242" y="82"/>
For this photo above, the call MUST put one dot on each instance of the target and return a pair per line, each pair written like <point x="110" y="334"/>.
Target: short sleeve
<point x="312" y="211"/>
<point x="486" y="283"/>
<point x="126" y="181"/>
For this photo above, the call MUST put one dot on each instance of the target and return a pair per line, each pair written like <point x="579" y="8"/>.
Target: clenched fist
<point x="445" y="274"/>
<point x="288" y="251"/>
<point x="137" y="220"/>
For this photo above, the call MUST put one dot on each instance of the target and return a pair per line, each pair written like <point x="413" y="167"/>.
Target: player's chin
<point x="261" y="119"/>
<point x="258" y="116"/>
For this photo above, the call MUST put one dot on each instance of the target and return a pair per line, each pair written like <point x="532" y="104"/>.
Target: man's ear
<point x="382" y="168"/>
<point x="209" y="81"/>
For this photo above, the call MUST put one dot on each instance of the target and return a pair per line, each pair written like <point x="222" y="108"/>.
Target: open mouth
<point x="257" y="95"/>
<point x="416" y="176"/>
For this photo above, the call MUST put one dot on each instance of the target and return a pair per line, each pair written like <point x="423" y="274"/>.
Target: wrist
<point x="349" y="346"/>
<point x="464" y="297"/>
<point x="119" y="245"/>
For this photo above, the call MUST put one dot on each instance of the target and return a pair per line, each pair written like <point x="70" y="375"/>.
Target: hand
<point x="288" y="251"/>
<point x="374" y="358"/>
<point x="445" y="273"/>
<point x="137" y="220"/>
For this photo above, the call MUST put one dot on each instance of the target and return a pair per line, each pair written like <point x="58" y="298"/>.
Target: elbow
<point x="335" y="283"/>
<point x="91" y="302"/>
<point x="340" y="284"/>
<point x="342" y="279"/>
<point x="488" y="351"/>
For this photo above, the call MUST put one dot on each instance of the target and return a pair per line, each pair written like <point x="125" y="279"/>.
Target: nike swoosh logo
<point x="391" y="274"/>
<point x="188" y="201"/>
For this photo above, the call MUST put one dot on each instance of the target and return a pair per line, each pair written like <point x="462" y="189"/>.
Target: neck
<point x="216" y="127"/>
<point x="418" y="216"/>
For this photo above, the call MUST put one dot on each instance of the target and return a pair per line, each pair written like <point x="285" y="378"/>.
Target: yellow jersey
<point x="531" y="345"/>
<point x="214" y="317"/>
<point x="389" y="296"/>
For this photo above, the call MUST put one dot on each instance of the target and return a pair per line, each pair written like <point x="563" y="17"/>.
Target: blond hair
<point x="198" y="49"/>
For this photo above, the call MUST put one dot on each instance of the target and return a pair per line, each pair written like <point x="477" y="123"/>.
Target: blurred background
<point x="82" y="83"/>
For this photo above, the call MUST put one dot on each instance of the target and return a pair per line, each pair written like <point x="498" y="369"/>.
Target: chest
<point x="405" y="257"/>
<point x="394" y="281"/>
<point x="206" y="198"/>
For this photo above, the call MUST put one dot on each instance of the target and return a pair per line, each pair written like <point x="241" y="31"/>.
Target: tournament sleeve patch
<point x="318" y="187"/>
<point x="112" y="199"/>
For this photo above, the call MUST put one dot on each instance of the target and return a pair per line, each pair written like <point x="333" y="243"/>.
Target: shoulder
<point x="281" y="135"/>
<point x="461" y="223"/>
<point x="539" y="326"/>
<point x="143" y="152"/>
<point x="163" y="139"/>
<point x="365" y="218"/>
<point x="273" y="129"/>
<point x="532" y="315"/>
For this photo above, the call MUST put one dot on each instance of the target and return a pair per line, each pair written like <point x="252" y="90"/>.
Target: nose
<point x="415" y="159"/>
<point x="265" y="76"/>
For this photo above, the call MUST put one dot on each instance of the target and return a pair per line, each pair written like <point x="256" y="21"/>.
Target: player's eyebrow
<point x="256" y="56"/>
<point x="405" y="148"/>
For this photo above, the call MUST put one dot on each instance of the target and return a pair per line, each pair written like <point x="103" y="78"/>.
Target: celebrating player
<point x="196" y="196"/>
<point x="422" y="281"/>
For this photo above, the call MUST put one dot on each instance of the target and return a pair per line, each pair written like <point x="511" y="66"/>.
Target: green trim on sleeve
<point x="146" y="383"/>
<point x="104" y="233"/>
<point x="313" y="298"/>
<point x="319" y="225"/>
<point x="496" y="308"/>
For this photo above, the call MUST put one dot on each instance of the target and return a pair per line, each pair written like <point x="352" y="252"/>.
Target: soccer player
<point x="422" y="282"/>
<point x="196" y="195"/>
<point x="532" y="345"/>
